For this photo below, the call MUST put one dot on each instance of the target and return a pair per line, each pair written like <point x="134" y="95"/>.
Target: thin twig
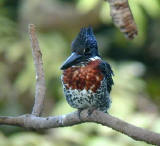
<point x="40" y="79"/>
<point x="33" y="122"/>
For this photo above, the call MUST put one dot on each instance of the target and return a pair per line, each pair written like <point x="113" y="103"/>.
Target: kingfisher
<point x="86" y="78"/>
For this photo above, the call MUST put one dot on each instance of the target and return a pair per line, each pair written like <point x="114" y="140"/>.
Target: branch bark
<point x="123" y="18"/>
<point x="33" y="121"/>
<point x="40" y="80"/>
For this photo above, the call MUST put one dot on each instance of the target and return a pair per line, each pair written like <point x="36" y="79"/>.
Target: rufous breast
<point x="87" y="77"/>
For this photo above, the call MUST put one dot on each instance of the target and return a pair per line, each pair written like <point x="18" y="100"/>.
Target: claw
<point x="79" y="113"/>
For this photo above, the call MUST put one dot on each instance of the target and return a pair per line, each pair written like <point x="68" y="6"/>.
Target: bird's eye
<point x="86" y="50"/>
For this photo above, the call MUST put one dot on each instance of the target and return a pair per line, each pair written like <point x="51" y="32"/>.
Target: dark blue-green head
<point x="84" y="47"/>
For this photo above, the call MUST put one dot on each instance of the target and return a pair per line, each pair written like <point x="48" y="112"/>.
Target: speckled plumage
<point x="82" y="99"/>
<point x="86" y="78"/>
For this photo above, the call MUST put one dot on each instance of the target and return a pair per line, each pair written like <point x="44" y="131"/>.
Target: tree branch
<point x="33" y="122"/>
<point x="40" y="80"/>
<point x="123" y="18"/>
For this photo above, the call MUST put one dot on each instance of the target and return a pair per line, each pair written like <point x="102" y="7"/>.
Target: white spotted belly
<point x="82" y="99"/>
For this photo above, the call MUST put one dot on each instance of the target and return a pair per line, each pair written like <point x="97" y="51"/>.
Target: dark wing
<point x="107" y="71"/>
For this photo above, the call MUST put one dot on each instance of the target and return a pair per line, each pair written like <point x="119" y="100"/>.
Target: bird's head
<point x="83" y="48"/>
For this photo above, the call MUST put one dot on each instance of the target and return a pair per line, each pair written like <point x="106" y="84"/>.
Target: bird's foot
<point x="90" y="110"/>
<point x="79" y="113"/>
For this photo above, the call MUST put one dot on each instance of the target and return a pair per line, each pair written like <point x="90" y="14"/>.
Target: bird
<point x="86" y="78"/>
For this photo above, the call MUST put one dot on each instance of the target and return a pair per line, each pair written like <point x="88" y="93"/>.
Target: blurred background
<point x="136" y="64"/>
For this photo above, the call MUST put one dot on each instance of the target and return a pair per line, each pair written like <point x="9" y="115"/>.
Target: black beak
<point x="73" y="59"/>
